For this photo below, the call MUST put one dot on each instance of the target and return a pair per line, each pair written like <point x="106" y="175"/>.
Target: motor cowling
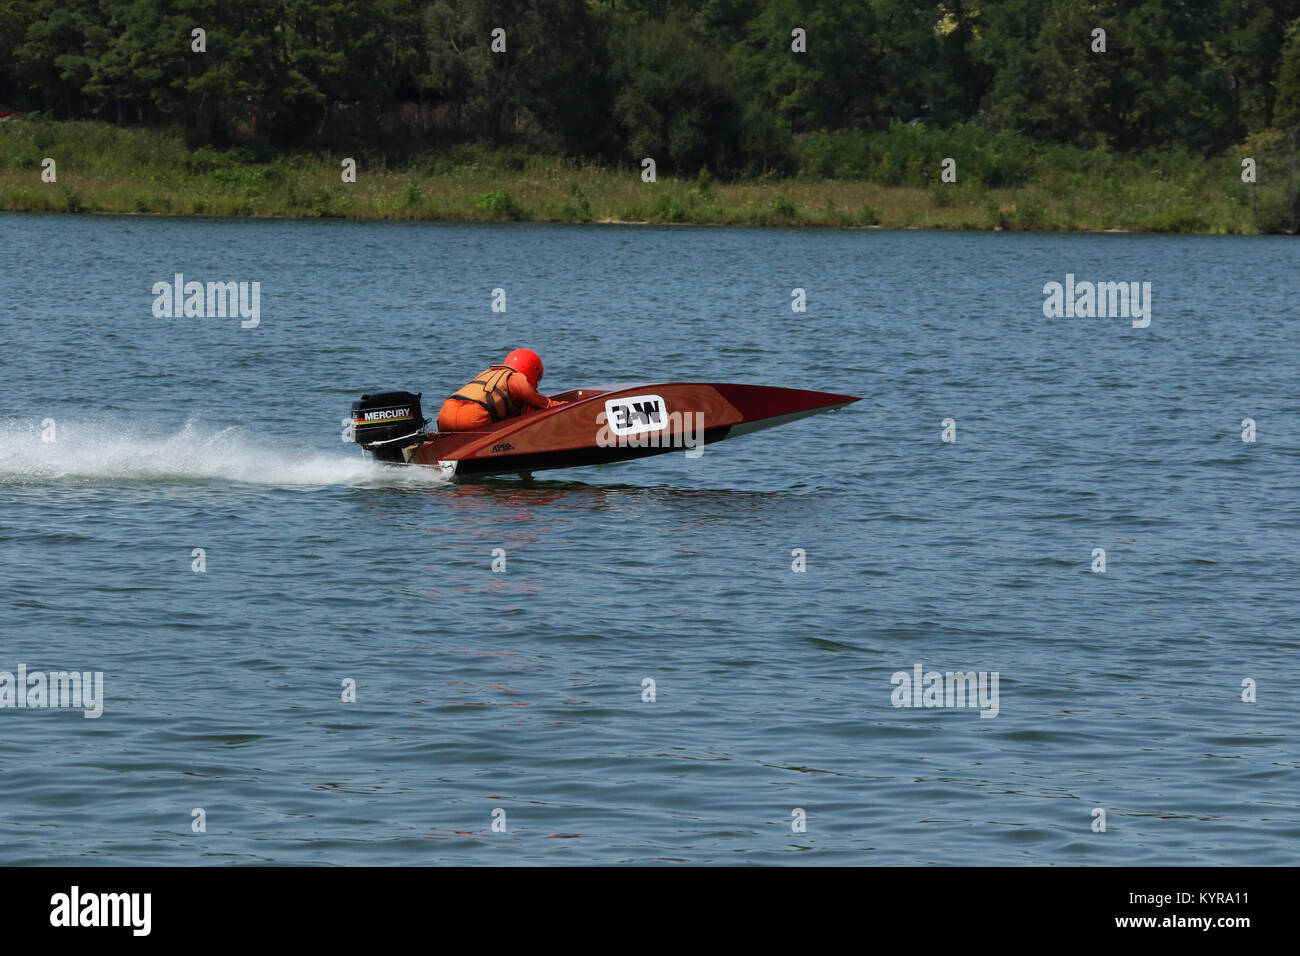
<point x="381" y="419"/>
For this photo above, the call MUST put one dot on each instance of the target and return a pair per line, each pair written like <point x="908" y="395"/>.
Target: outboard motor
<point x="383" y="423"/>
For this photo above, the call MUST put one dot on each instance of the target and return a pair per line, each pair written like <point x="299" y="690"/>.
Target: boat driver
<point x="502" y="392"/>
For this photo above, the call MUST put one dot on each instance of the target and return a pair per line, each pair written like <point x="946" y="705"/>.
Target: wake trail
<point x="91" y="453"/>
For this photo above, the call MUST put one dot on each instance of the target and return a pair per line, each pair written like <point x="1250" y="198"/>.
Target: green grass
<point x="846" y="179"/>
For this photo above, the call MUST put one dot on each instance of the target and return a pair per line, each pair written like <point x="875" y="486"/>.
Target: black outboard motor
<point x="383" y="423"/>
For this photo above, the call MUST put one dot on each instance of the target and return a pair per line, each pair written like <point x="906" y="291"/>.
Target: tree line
<point x="694" y="83"/>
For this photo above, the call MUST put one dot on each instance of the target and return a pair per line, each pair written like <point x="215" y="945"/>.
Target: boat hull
<point x="619" y="423"/>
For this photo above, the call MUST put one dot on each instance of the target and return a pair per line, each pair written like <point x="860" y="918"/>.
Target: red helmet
<point x="527" y="362"/>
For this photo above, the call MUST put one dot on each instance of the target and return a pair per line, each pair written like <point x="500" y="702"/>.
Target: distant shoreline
<point x="906" y="212"/>
<point x="586" y="222"/>
<point x="106" y="169"/>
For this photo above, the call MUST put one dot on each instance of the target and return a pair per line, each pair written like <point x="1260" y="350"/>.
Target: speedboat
<point x="595" y="426"/>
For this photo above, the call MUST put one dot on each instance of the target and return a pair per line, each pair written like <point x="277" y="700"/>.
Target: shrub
<point x="498" y="204"/>
<point x="782" y="208"/>
<point x="667" y="209"/>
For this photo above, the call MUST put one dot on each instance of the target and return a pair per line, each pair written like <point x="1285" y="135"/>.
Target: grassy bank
<point x="850" y="179"/>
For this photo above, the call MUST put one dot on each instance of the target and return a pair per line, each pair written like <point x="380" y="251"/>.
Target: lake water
<point x="522" y="691"/>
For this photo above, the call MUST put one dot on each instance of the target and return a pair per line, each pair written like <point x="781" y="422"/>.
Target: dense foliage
<point x="694" y="83"/>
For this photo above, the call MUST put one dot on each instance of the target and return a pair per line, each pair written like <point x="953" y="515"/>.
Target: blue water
<point x="522" y="690"/>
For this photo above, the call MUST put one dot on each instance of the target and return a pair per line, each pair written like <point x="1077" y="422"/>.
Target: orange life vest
<point x="491" y="391"/>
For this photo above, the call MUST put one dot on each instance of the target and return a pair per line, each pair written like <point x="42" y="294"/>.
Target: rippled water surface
<point x="523" y="690"/>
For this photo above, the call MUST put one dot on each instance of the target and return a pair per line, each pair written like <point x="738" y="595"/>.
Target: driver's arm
<point x="525" y="394"/>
